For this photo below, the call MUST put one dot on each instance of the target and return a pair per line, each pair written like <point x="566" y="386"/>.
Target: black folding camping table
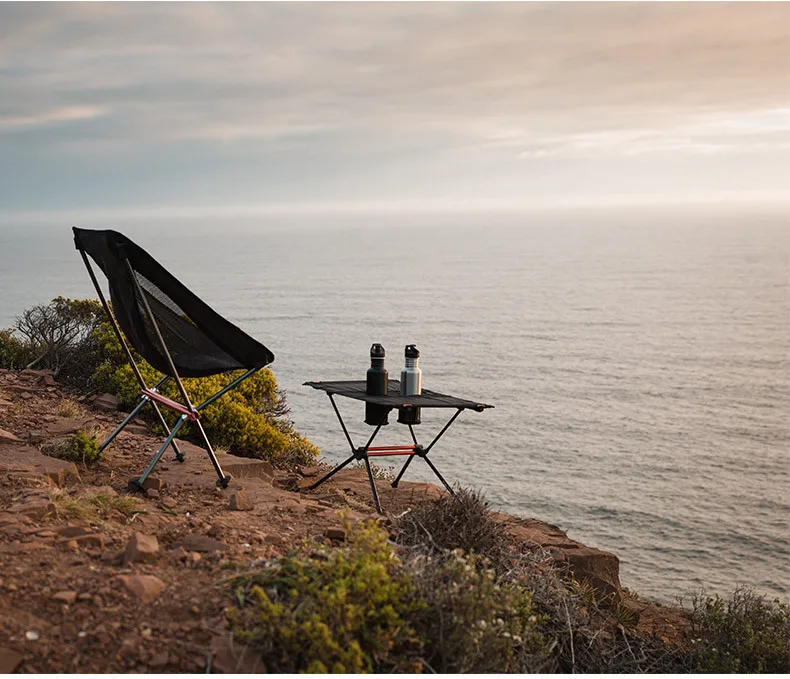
<point x="428" y="399"/>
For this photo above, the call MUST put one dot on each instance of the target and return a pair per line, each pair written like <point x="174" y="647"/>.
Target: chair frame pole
<point x="135" y="369"/>
<point x="151" y="395"/>
<point x="224" y="480"/>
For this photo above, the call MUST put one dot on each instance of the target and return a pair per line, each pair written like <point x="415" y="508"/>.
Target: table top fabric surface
<point x="428" y="399"/>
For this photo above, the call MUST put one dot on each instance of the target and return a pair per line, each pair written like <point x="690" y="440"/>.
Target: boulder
<point x="240" y="502"/>
<point x="141" y="548"/>
<point x="68" y="597"/>
<point x="139" y="429"/>
<point x="8" y="437"/>
<point x="145" y="587"/>
<point x="47" y="380"/>
<point x="153" y="483"/>
<point x="106" y="403"/>
<point x="73" y="531"/>
<point x="36" y="510"/>
<point x="200" y="543"/>
<point x="9" y="660"/>
<point x="336" y="533"/>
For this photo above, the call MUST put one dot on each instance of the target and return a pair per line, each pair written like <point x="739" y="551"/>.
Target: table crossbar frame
<point x="367" y="451"/>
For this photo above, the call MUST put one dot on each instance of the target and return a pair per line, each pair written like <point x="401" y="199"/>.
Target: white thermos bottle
<point x="410" y="384"/>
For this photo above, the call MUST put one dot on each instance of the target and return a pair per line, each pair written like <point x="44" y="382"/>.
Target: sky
<point x="225" y="108"/>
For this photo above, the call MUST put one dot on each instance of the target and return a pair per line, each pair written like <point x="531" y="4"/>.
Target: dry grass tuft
<point x="96" y="505"/>
<point x="68" y="408"/>
<point x="461" y="521"/>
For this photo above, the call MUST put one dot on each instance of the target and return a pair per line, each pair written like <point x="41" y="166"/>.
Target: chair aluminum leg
<point x="224" y="480"/>
<point x="123" y="424"/>
<point x="139" y="483"/>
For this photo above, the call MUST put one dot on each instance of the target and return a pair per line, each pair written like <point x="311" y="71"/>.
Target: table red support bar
<point x="409" y="446"/>
<point x="391" y="452"/>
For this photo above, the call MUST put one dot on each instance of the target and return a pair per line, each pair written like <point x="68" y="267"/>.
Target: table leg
<point x="334" y="471"/>
<point x="373" y="486"/>
<point x="424" y="453"/>
<point x="356" y="454"/>
<point x="441" y="478"/>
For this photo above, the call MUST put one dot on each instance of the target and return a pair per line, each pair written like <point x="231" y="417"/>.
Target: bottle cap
<point x="412" y="351"/>
<point x="376" y="351"/>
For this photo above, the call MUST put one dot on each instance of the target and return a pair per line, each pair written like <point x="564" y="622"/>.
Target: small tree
<point x="60" y="337"/>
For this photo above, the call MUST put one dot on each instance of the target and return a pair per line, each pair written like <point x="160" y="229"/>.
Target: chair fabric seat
<point x="200" y="341"/>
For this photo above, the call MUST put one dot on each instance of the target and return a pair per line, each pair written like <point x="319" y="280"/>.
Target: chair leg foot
<point x="135" y="486"/>
<point x="179" y="457"/>
<point x="224" y="482"/>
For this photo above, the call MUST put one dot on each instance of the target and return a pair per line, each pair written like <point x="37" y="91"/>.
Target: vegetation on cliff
<point x="74" y="339"/>
<point x="440" y="588"/>
<point x="421" y="597"/>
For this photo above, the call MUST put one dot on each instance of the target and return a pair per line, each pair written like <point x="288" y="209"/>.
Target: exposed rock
<point x="230" y="657"/>
<point x="145" y="587"/>
<point x="67" y="597"/>
<point x="200" y="543"/>
<point x="36" y="510"/>
<point x="8" y="437"/>
<point x="240" y="502"/>
<point x="592" y="566"/>
<point x="139" y="429"/>
<point x="153" y="483"/>
<point x="47" y="380"/>
<point x="86" y="540"/>
<point x="7" y="519"/>
<point x="169" y="502"/>
<point x="141" y="548"/>
<point x="336" y="533"/>
<point x="159" y="660"/>
<point x="106" y="403"/>
<point x="597" y="568"/>
<point x="18" y="457"/>
<point x="74" y="530"/>
<point x="36" y="436"/>
<point x="9" y="660"/>
<point x="276" y="540"/>
<point x="309" y="471"/>
<point x="65" y="426"/>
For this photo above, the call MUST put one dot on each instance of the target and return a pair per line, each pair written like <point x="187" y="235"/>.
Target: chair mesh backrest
<point x="200" y="341"/>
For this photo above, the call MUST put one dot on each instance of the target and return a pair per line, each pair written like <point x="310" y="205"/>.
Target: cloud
<point x="65" y="114"/>
<point x="380" y="96"/>
<point x="199" y="67"/>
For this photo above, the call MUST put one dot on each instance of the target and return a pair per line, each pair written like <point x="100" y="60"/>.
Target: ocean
<point x="638" y="359"/>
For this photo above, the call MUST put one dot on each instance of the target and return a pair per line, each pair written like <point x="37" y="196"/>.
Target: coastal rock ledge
<point x="75" y="545"/>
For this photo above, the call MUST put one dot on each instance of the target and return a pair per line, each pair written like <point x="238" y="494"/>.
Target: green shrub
<point x="743" y="634"/>
<point x="472" y="621"/>
<point x="342" y="610"/>
<point x="14" y="354"/>
<point x="80" y="447"/>
<point x="247" y="421"/>
<point x="359" y="608"/>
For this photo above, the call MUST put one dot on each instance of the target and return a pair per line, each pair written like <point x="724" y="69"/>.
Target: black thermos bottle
<point x="377" y="385"/>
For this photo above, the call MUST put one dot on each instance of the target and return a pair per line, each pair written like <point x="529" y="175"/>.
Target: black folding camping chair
<point x="172" y="329"/>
